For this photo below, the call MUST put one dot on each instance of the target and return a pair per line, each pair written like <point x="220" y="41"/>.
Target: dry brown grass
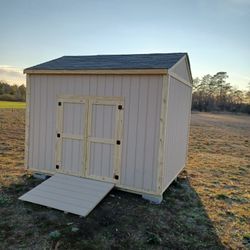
<point x="219" y="171"/>
<point x="209" y="207"/>
<point x="12" y="125"/>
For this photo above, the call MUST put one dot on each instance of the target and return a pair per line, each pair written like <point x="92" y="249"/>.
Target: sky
<point x="215" y="33"/>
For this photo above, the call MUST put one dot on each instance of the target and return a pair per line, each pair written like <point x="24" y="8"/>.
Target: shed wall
<point x="177" y="128"/>
<point x="142" y="95"/>
<point x="181" y="69"/>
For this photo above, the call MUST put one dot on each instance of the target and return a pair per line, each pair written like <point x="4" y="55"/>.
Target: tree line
<point x="210" y="93"/>
<point x="214" y="93"/>
<point x="12" y="92"/>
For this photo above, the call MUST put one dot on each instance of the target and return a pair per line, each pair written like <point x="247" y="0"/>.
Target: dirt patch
<point x="208" y="208"/>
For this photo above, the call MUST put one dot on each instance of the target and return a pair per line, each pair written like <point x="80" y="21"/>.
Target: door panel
<point x="71" y="130"/>
<point x="101" y="159"/>
<point x="72" y="156"/>
<point x="73" y="118"/>
<point x="89" y="135"/>
<point x="103" y="121"/>
<point x="104" y="130"/>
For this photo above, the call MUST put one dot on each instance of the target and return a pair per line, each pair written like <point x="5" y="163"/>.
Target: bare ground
<point x="208" y="208"/>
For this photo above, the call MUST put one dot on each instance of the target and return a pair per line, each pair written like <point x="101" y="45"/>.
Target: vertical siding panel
<point x="109" y="83"/>
<point x="102" y="88"/>
<point x="78" y="85"/>
<point x="56" y="81"/>
<point x="145" y="134"/>
<point x="141" y="131"/>
<point x="107" y="125"/>
<point x="157" y="132"/>
<point x="109" y="91"/>
<point x="117" y="85"/>
<point x="117" y="91"/>
<point x="93" y="90"/>
<point x="50" y="111"/>
<point x="93" y="85"/>
<point x="43" y="121"/>
<point x="158" y="84"/>
<point x="150" y="137"/>
<point x="66" y="147"/>
<point x="35" y="130"/>
<point x="92" y="160"/>
<point x="110" y="126"/>
<point x="107" y="149"/>
<point x="132" y="125"/>
<point x="32" y="122"/>
<point x="36" y="135"/>
<point x="99" y="116"/>
<point x="85" y="86"/>
<point x="66" y="90"/>
<point x="75" y="157"/>
<point x="73" y="143"/>
<point x="126" y="93"/>
<point x="177" y="129"/>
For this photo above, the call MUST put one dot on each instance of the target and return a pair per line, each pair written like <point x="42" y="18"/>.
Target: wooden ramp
<point x="69" y="193"/>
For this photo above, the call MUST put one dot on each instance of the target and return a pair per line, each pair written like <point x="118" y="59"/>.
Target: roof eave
<point x="98" y="72"/>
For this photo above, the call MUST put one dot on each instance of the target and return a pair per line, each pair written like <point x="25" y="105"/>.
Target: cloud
<point x="12" y="75"/>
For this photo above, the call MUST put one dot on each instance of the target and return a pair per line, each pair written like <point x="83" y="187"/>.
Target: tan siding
<point x="177" y="126"/>
<point x="142" y="95"/>
<point x="152" y="134"/>
<point x="141" y="135"/>
<point x="181" y="69"/>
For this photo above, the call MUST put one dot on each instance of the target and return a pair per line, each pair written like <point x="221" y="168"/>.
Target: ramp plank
<point x="70" y="194"/>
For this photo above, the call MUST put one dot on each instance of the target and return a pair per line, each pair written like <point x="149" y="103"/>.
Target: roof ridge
<point x="172" y="53"/>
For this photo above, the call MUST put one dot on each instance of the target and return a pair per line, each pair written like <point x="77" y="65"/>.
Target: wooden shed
<point x="119" y="119"/>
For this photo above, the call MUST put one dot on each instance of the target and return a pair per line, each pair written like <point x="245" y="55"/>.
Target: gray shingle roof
<point x="130" y="61"/>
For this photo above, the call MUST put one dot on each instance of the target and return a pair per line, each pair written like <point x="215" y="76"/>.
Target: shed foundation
<point x="156" y="199"/>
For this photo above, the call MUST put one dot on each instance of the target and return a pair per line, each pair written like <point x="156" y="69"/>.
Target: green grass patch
<point x="12" y="105"/>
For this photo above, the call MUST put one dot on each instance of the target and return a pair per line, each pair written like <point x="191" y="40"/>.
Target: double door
<point x="89" y="137"/>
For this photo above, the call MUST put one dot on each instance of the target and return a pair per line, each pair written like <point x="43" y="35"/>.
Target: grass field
<point x="12" y="105"/>
<point x="208" y="208"/>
